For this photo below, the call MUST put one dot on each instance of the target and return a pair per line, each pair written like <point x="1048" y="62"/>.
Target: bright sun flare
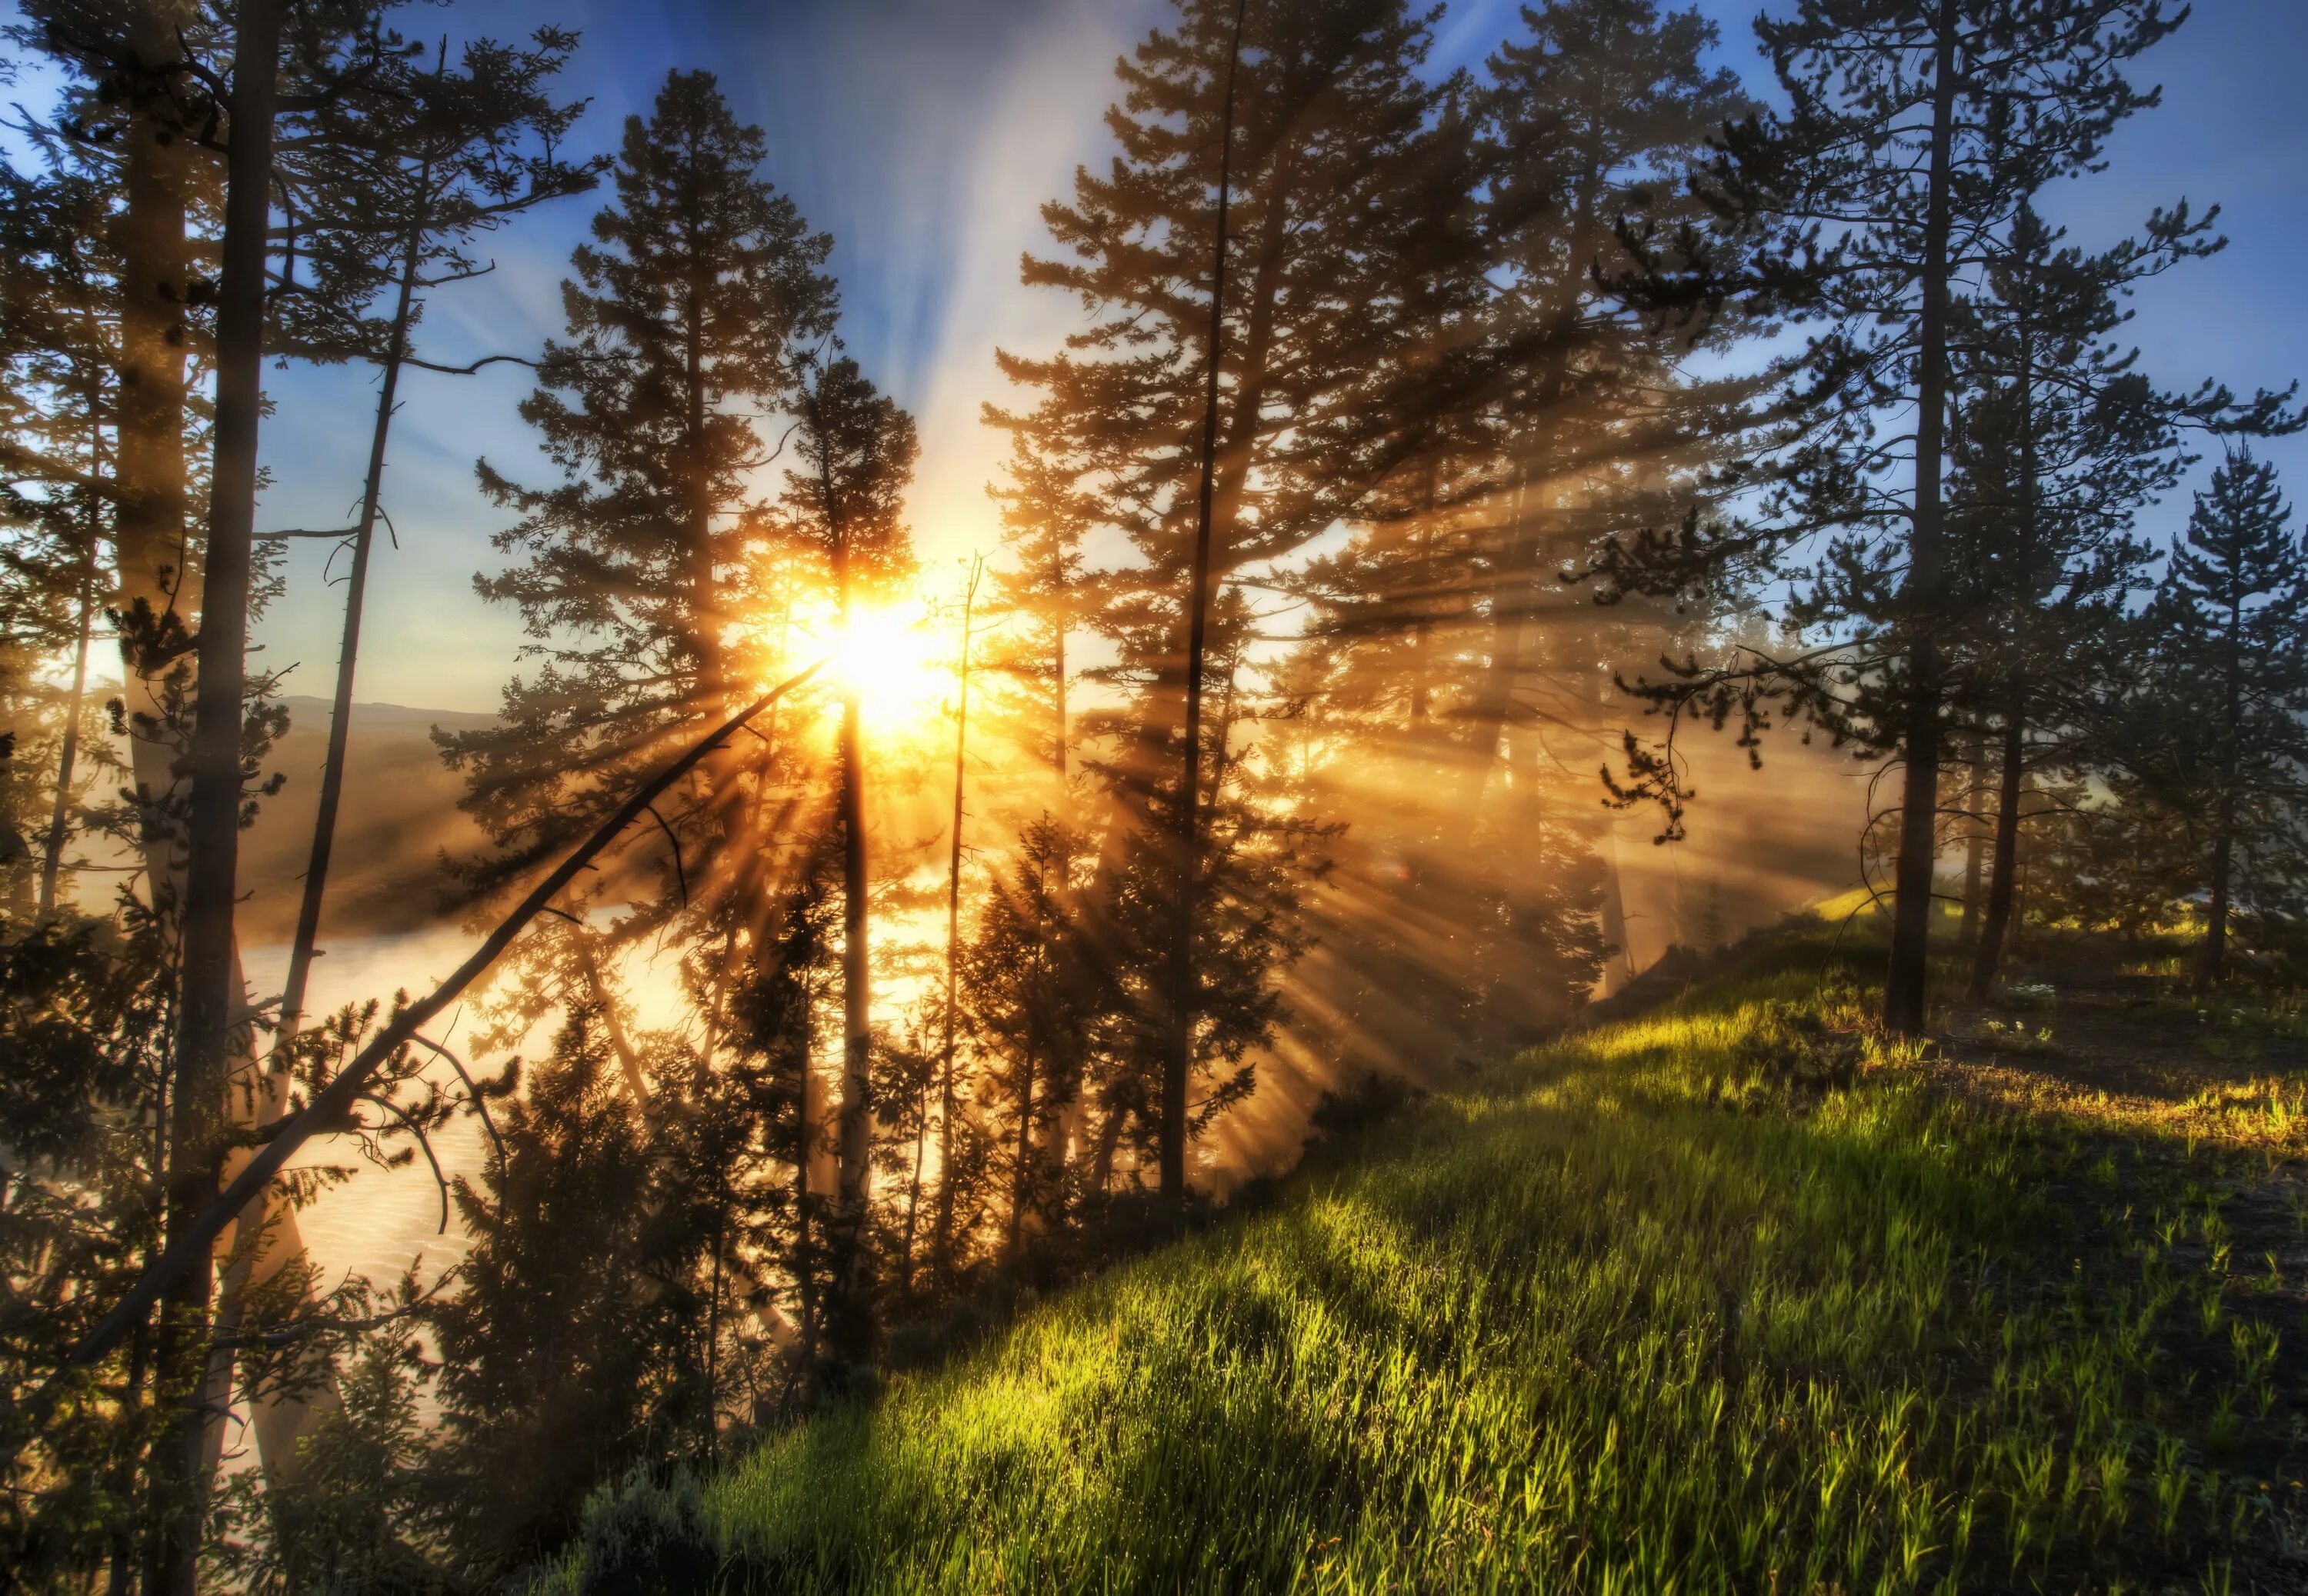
<point x="887" y="655"/>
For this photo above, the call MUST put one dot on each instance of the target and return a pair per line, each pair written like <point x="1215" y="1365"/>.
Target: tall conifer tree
<point x="687" y="318"/>
<point x="2222" y="720"/>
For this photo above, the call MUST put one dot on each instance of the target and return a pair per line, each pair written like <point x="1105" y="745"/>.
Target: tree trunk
<point x="2215" y="912"/>
<point x="208" y="1004"/>
<point x="60" y="817"/>
<point x="849" y="1327"/>
<point x="1995" y="926"/>
<point x="944" y="1238"/>
<point x="807" y="1116"/>
<point x="1904" y="983"/>
<point x="340" y="711"/>
<point x="1022" y="1172"/>
<point x="1058" y="687"/>
<point x="1177" y="1062"/>
<point x="1975" y="843"/>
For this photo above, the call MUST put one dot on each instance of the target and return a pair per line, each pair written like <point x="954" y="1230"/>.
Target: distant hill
<point x="399" y="811"/>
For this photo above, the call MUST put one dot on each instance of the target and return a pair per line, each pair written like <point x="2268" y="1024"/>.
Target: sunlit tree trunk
<point x="149" y="522"/>
<point x="209" y="1003"/>
<point x="847" y="1325"/>
<point x="944" y="1234"/>
<point x="60" y="816"/>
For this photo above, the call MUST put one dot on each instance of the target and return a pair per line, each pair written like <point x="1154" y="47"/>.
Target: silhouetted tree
<point x="1912" y="133"/>
<point x="846" y="500"/>
<point x="686" y="318"/>
<point x="2217" y="734"/>
<point x="1318" y="132"/>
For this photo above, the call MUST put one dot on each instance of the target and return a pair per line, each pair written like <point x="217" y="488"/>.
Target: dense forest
<point x="1443" y="467"/>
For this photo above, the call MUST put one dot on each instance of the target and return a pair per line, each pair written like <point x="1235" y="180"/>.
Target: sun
<point x="887" y="656"/>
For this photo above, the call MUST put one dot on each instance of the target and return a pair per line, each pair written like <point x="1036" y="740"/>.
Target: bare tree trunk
<point x="340" y="712"/>
<point x="153" y="575"/>
<point x="1904" y="983"/>
<point x="60" y="817"/>
<point x="1058" y="686"/>
<point x="1975" y="842"/>
<point x="945" y="1239"/>
<point x="1996" y="924"/>
<point x="1177" y="1062"/>
<point x="808" y="1116"/>
<point x="209" y="1003"/>
<point x="2214" y="964"/>
<point x="849" y="1324"/>
<point x="1021" y="1170"/>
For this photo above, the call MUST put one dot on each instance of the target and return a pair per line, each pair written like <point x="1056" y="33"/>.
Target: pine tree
<point x="2056" y="442"/>
<point x="2223" y="721"/>
<point x="553" y="1350"/>
<point x="846" y="500"/>
<point x="1913" y="129"/>
<point x="1035" y="1001"/>
<point x="1250" y="263"/>
<point x="687" y="318"/>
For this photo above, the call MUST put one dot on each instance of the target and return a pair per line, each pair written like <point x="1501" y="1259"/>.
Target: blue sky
<point x="923" y="135"/>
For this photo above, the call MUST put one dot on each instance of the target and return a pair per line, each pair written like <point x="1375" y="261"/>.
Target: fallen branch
<point x="332" y="1104"/>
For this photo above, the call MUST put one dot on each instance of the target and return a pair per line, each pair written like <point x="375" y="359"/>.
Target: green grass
<point x="1626" y="1316"/>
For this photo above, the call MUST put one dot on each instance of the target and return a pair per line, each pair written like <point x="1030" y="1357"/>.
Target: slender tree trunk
<point x="713" y="1346"/>
<point x="855" y="1126"/>
<point x="1619" y="964"/>
<point x="1422" y="641"/>
<point x="1177" y="1062"/>
<point x="208" y="1007"/>
<point x="1904" y="985"/>
<point x="1515" y="599"/>
<point x="1021" y="1170"/>
<point x="1975" y="842"/>
<point x="340" y="710"/>
<point x="1510" y="603"/>
<point x="849" y="1328"/>
<point x="60" y="816"/>
<point x="944" y="1240"/>
<point x="2212" y="966"/>
<point x="914" y="1193"/>
<point x="1058" y="622"/>
<point x="2215" y="912"/>
<point x="809" y="1115"/>
<point x="1102" y="1150"/>
<point x="2002" y="891"/>
<point x="1995" y="926"/>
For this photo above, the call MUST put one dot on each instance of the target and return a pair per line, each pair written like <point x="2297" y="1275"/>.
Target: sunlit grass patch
<point x="1723" y="1298"/>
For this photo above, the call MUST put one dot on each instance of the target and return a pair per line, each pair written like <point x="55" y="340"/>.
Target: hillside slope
<point x="1724" y="1298"/>
<point x="399" y="811"/>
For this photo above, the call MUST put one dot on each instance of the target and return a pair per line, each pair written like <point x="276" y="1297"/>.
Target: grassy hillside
<point x="1726" y="1298"/>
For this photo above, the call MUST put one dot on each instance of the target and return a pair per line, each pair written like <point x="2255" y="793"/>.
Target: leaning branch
<point x="332" y="1105"/>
